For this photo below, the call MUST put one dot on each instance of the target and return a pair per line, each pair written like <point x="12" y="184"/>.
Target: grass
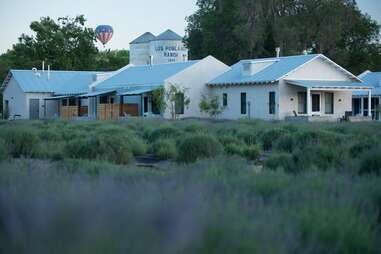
<point x="229" y="187"/>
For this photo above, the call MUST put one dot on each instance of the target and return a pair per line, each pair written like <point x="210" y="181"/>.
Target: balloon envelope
<point x="104" y="33"/>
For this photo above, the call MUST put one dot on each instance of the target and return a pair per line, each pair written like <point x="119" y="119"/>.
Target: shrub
<point x="4" y="153"/>
<point x="235" y="149"/>
<point x="270" y="136"/>
<point x="109" y="148"/>
<point x="21" y="141"/>
<point x="196" y="147"/>
<point x="252" y="152"/>
<point x="165" y="132"/>
<point x="164" y="149"/>
<point x="371" y="162"/>
<point x="285" y="143"/>
<point x="249" y="137"/>
<point x="283" y="161"/>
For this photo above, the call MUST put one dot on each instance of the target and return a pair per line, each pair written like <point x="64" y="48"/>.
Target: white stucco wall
<point x="257" y="95"/>
<point x="16" y="100"/>
<point x="317" y="69"/>
<point x="194" y="79"/>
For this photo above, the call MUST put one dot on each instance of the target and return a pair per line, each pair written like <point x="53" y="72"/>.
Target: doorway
<point x="316" y="103"/>
<point x="34" y="109"/>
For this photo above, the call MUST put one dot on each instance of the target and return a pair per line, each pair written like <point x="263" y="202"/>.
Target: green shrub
<point x="252" y="152"/>
<point x="196" y="147"/>
<point x="371" y="162"/>
<point x="235" y="149"/>
<point x="270" y="136"/>
<point x="21" y="141"/>
<point x="283" y="161"/>
<point x="164" y="149"/>
<point x="249" y="137"/>
<point x="109" y="148"/>
<point x="164" y="132"/>
<point x="285" y="143"/>
<point x="4" y="153"/>
<point x="360" y="147"/>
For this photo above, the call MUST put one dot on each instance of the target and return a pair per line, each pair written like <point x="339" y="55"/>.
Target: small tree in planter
<point x="174" y="98"/>
<point x="211" y="106"/>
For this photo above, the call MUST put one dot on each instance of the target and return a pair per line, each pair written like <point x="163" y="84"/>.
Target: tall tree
<point x="236" y="29"/>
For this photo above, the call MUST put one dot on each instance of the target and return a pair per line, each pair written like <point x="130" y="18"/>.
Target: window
<point x="179" y="104"/>
<point x="272" y="103"/>
<point x="103" y="99"/>
<point x="72" y="102"/>
<point x="302" y="103"/>
<point x="225" y="100"/>
<point x="329" y="103"/>
<point x="64" y="102"/>
<point x="243" y="104"/>
<point x="145" y="105"/>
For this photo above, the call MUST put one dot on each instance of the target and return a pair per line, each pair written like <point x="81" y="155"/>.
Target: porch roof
<point x="329" y="84"/>
<point x="138" y="90"/>
<point x="59" y="97"/>
<point x="97" y="93"/>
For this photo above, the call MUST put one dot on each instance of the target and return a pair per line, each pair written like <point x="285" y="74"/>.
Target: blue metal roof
<point x="144" y="38"/>
<point x="59" y="83"/>
<point x="169" y="35"/>
<point x="328" y="84"/>
<point x="275" y="71"/>
<point x="143" y="75"/>
<point x="371" y="79"/>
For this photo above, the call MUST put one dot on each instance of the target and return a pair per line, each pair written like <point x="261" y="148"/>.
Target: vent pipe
<point x="48" y="72"/>
<point x="43" y="66"/>
<point x="277" y="50"/>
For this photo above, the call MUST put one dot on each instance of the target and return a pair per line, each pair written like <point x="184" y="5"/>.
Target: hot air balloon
<point x="104" y="33"/>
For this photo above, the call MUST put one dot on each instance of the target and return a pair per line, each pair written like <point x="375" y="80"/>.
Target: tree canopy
<point x="235" y="29"/>
<point x="65" y="44"/>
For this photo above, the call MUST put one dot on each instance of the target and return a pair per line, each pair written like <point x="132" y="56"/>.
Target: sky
<point x="130" y="18"/>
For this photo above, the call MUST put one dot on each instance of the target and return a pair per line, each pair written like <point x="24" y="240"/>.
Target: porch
<point x="105" y="105"/>
<point x="322" y="101"/>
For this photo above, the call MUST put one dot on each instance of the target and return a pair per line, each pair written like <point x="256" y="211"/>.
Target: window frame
<point x="332" y="103"/>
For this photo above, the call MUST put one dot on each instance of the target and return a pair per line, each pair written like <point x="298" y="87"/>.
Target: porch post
<point x="309" y="108"/>
<point x="370" y="104"/>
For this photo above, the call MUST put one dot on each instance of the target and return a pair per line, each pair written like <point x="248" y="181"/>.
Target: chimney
<point x="277" y="52"/>
<point x="48" y="72"/>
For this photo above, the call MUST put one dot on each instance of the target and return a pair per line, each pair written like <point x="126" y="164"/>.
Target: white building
<point x="167" y="47"/>
<point x="104" y="96"/>
<point x="308" y="87"/>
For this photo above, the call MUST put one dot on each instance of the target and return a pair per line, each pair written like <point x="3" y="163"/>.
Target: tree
<point x="235" y="29"/>
<point x="211" y="106"/>
<point x="111" y="60"/>
<point x="158" y="97"/>
<point x="176" y="99"/>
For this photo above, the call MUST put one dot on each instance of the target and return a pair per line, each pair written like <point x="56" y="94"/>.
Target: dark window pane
<point x="103" y="100"/>
<point x="72" y="102"/>
<point x="145" y="104"/>
<point x="272" y="103"/>
<point x="243" y="104"/>
<point x="179" y="105"/>
<point x="225" y="100"/>
<point x="64" y="102"/>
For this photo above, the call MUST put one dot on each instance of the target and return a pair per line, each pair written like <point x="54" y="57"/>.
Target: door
<point x="316" y="106"/>
<point x="34" y="109"/>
